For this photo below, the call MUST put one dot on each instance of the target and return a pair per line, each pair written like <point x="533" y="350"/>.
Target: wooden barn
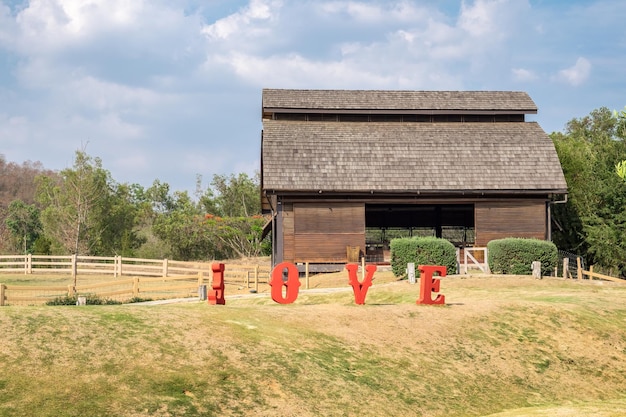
<point x="345" y="171"/>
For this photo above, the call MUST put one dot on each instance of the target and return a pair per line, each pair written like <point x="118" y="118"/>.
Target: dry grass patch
<point x="505" y="343"/>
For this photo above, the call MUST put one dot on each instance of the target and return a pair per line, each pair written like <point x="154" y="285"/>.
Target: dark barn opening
<point x="454" y="222"/>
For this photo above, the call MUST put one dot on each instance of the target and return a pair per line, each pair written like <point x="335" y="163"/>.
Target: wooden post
<point x="256" y="278"/>
<point x="70" y="290"/>
<point x="362" y="269"/>
<point x="487" y="261"/>
<point x="29" y="264"/>
<point x="136" y="286"/>
<point x="306" y="275"/>
<point x="200" y="278"/>
<point x="247" y="279"/>
<point x="579" y="270"/>
<point x="565" y="267"/>
<point x="2" y="291"/>
<point x="164" y="273"/>
<point x="74" y="267"/>
<point x="591" y="272"/>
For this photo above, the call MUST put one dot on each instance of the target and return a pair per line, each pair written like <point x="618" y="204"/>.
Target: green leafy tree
<point x="185" y="231"/>
<point x="118" y="222"/>
<point x="73" y="204"/>
<point x="240" y="236"/>
<point x="233" y="196"/>
<point x="593" y="222"/>
<point x="23" y="222"/>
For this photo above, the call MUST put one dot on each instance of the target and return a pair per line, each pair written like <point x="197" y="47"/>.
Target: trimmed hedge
<point x="421" y="251"/>
<point x="516" y="255"/>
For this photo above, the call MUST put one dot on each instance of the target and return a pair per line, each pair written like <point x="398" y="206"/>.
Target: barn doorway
<point x="384" y="222"/>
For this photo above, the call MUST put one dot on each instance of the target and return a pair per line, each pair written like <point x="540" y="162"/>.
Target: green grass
<point x="500" y="346"/>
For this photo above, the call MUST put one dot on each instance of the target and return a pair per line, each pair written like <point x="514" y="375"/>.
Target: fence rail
<point x="149" y="278"/>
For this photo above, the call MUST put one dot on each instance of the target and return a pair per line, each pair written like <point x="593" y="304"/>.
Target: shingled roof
<point x="408" y="157"/>
<point x="279" y="100"/>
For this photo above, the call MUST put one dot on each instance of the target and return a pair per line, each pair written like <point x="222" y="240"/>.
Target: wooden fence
<point x="149" y="278"/>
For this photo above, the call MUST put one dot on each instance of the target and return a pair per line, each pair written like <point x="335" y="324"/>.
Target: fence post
<point x="579" y="273"/>
<point x="164" y="273"/>
<point x="590" y="272"/>
<point x="2" y="290"/>
<point x="200" y="278"/>
<point x="29" y="264"/>
<point x="74" y="265"/>
<point x="136" y="287"/>
<point x="306" y="275"/>
<point x="256" y="278"/>
<point x="70" y="290"/>
<point x="486" y="260"/>
<point x="565" y="267"/>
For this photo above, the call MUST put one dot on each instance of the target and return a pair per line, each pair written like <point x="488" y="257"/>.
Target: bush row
<point x="506" y="256"/>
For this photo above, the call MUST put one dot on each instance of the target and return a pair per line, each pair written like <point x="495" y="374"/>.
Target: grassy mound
<point x="510" y="345"/>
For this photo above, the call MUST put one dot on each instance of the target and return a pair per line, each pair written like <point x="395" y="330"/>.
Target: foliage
<point x="91" y="299"/>
<point x="232" y="196"/>
<point x="239" y="235"/>
<point x="422" y="251"/>
<point x="593" y="222"/>
<point x="225" y="222"/>
<point x="17" y="181"/>
<point x="73" y="205"/>
<point x="186" y="232"/>
<point x="82" y="210"/>
<point x="23" y="222"/>
<point x="516" y="255"/>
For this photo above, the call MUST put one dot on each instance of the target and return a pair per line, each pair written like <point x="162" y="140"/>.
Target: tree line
<point x="83" y="210"/>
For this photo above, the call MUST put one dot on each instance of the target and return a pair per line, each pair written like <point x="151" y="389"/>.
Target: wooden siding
<point x="288" y="234"/>
<point x="323" y="231"/>
<point x="515" y="218"/>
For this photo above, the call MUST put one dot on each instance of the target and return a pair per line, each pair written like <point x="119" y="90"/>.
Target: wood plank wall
<point x="321" y="232"/>
<point x="497" y="220"/>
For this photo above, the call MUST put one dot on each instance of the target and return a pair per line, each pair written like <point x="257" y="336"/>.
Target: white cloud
<point x="492" y="18"/>
<point x="247" y="21"/>
<point x="523" y="75"/>
<point x="576" y="74"/>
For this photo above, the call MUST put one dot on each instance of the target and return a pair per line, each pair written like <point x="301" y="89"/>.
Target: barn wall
<point x="497" y="220"/>
<point x="321" y="232"/>
<point x="288" y="234"/>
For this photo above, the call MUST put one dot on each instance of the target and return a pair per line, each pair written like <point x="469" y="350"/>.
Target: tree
<point x="184" y="229"/>
<point x="23" y="222"/>
<point x="239" y="235"/>
<point x="233" y="196"/>
<point x="593" y="222"/>
<point x="73" y="204"/>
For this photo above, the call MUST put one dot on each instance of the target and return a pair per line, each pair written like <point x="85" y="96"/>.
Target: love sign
<point x="285" y="283"/>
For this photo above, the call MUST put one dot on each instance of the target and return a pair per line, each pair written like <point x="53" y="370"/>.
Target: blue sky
<point x="169" y="89"/>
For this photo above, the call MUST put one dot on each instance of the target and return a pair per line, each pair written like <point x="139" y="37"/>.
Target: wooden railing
<point x="581" y="273"/>
<point x="149" y="278"/>
<point x="120" y="290"/>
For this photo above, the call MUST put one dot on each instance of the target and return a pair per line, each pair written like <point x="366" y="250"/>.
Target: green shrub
<point x="422" y="251"/>
<point x="515" y="256"/>
<point x="91" y="299"/>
